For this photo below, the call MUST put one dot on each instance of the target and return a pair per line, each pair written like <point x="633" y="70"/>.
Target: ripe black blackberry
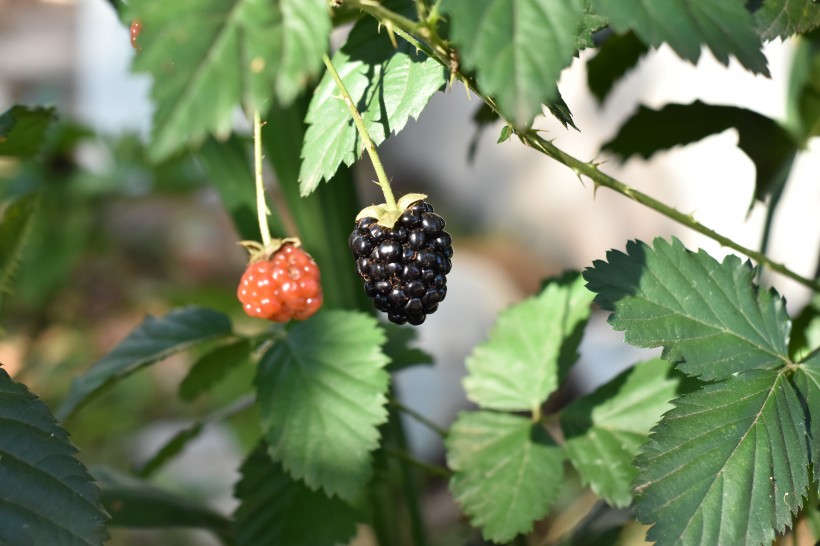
<point x="405" y="266"/>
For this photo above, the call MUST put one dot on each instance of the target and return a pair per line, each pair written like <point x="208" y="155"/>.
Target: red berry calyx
<point x="281" y="282"/>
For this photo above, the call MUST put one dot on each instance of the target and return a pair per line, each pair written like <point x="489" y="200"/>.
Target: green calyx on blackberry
<point x="403" y="255"/>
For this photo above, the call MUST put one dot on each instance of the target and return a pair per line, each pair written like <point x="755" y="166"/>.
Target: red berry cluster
<point x="282" y="288"/>
<point x="136" y="27"/>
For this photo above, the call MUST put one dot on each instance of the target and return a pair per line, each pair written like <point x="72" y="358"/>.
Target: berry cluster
<point x="404" y="267"/>
<point x="284" y="287"/>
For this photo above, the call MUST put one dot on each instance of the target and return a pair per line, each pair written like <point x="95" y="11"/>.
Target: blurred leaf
<point x="805" y="330"/>
<point x="507" y="471"/>
<point x="212" y="367"/>
<point x="617" y="55"/>
<point x="769" y="146"/>
<point x="724" y="26"/>
<point x="138" y="504"/>
<point x="710" y="318"/>
<point x="14" y="231"/>
<point x="783" y="18"/>
<point x="326" y="381"/>
<point x="23" y="130"/>
<point x="388" y="85"/>
<point x="604" y="430"/>
<point x="727" y="465"/>
<point x="803" y="98"/>
<point x="517" y="48"/>
<point x="807" y="382"/>
<point x="210" y="56"/>
<point x="399" y="351"/>
<point x="530" y="348"/>
<point x="47" y="496"/>
<point x="153" y="340"/>
<point x="275" y="509"/>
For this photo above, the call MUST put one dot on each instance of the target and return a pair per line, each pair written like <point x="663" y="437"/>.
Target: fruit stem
<point x="262" y="210"/>
<point x="384" y="183"/>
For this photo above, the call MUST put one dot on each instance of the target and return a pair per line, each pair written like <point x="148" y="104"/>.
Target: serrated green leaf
<point x="604" y="429"/>
<point x="769" y="146"/>
<point x="724" y="26"/>
<point x="783" y="18"/>
<point x="399" y="351"/>
<point x="728" y="465"/>
<point x="210" y="56"/>
<point x="710" y="318"/>
<point x="807" y="383"/>
<point x="618" y="55"/>
<point x="152" y="341"/>
<point x="322" y="395"/>
<point x="517" y="48"/>
<point x="14" y="231"/>
<point x="388" y="85"/>
<point x="212" y="367"/>
<point x="507" y="471"/>
<point x="23" y="130"/>
<point x="591" y="22"/>
<point x="138" y="504"/>
<point x="47" y="496"/>
<point x="276" y="509"/>
<point x="530" y="348"/>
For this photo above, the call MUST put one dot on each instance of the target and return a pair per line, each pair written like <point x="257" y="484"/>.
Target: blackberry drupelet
<point x="404" y="267"/>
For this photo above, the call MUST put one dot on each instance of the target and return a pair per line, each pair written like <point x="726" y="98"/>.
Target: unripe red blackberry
<point x="405" y="266"/>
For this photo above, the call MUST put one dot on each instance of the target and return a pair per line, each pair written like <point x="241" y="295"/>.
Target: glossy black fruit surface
<point x="404" y="268"/>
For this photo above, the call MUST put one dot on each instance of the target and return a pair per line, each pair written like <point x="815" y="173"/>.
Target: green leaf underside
<point x="47" y="495"/>
<point x="517" y="48"/>
<point x="15" y="227"/>
<point x="388" y="86"/>
<point x="604" y="429"/>
<point x="710" y="318"/>
<point x="507" y="471"/>
<point x="138" y="504"/>
<point x="210" y="56"/>
<point x="213" y="366"/>
<point x="530" y="349"/>
<point x="322" y="394"/>
<point x="275" y="509"/>
<point x="152" y="341"/>
<point x="769" y="146"/>
<point x="782" y="18"/>
<point x="23" y="130"/>
<point x="724" y="26"/>
<point x="807" y="382"/>
<point x="728" y="465"/>
<point x="617" y="56"/>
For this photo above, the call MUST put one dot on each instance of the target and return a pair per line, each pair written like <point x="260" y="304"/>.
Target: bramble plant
<point x="715" y="442"/>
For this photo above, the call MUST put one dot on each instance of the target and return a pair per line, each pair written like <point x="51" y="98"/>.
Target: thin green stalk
<point x="368" y="143"/>
<point x="418" y="417"/>
<point x="262" y="210"/>
<point x="438" y="49"/>
<point x="430" y="469"/>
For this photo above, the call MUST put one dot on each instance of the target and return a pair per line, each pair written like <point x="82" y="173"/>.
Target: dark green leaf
<point x="136" y="503"/>
<point x="518" y="48"/>
<point x="388" y="85"/>
<point x="807" y="382"/>
<point x="782" y="18"/>
<point x="47" y="495"/>
<point x="507" y="471"/>
<point x="560" y="111"/>
<point x="724" y="26"/>
<point x="152" y="341"/>
<point x="803" y="99"/>
<point x="23" y="130"/>
<point x="618" y="55"/>
<point x="728" y="465"/>
<point x="275" y="509"/>
<point x="604" y="430"/>
<point x="212" y="367"/>
<point x="709" y="317"/>
<point x="805" y="330"/>
<point x="14" y="230"/>
<point x="399" y="351"/>
<point x="326" y="381"/>
<point x="769" y="146"/>
<point x="530" y="348"/>
<point x="210" y="56"/>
